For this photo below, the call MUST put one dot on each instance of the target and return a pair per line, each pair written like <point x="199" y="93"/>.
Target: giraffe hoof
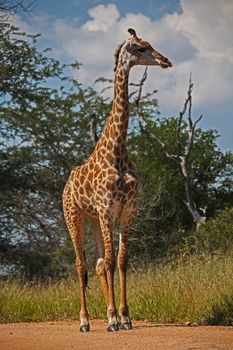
<point x="126" y="325"/>
<point x="113" y="327"/>
<point x="85" y="328"/>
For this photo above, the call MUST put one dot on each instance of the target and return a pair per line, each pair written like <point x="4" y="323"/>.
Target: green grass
<point x="193" y="291"/>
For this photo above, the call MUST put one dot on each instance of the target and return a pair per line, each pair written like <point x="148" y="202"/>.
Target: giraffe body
<point x="105" y="188"/>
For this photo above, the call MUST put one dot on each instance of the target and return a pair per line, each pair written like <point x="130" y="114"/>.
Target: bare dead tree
<point x="139" y="90"/>
<point x="181" y="157"/>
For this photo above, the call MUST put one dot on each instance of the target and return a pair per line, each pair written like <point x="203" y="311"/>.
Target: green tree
<point x="44" y="132"/>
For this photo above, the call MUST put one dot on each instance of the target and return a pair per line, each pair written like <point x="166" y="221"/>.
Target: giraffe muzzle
<point x="162" y="61"/>
<point x="165" y="63"/>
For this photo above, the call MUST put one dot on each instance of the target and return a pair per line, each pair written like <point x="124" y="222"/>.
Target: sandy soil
<point x="66" y="335"/>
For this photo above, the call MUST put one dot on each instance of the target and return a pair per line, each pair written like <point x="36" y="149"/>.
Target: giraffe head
<point x="142" y="53"/>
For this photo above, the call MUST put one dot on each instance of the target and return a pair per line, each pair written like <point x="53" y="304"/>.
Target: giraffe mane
<point x="117" y="53"/>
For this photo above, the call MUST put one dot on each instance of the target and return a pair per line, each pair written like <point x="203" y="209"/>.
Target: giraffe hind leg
<point x="102" y="273"/>
<point x="99" y="257"/>
<point x="75" y="223"/>
<point x="122" y="260"/>
<point x="106" y="224"/>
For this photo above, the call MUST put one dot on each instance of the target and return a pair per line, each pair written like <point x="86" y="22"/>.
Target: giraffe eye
<point x="142" y="49"/>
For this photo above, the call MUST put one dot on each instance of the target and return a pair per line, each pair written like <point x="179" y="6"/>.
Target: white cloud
<point x="103" y="18"/>
<point x="198" y="40"/>
<point x="208" y="25"/>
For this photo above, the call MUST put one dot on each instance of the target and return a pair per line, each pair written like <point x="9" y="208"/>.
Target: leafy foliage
<point x="44" y="132"/>
<point x="163" y="219"/>
<point x="216" y="236"/>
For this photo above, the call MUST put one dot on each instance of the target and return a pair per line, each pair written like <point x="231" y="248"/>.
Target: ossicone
<point x="132" y="32"/>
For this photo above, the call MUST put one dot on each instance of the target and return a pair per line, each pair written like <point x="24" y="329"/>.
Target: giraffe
<point x="105" y="187"/>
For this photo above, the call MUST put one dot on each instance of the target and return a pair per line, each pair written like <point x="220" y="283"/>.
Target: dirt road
<point x="66" y="336"/>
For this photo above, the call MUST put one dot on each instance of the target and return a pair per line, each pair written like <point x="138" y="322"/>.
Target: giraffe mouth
<point x="164" y="62"/>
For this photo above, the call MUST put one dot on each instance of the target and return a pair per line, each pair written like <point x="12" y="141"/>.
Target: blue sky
<point x="195" y="35"/>
<point x="151" y="8"/>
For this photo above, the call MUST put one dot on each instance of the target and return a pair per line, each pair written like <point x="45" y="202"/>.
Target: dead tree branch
<point x="94" y="135"/>
<point x="139" y="91"/>
<point x="11" y="7"/>
<point x="157" y="139"/>
<point x="181" y="158"/>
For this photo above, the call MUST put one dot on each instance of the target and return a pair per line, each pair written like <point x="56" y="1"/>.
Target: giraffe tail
<point x="86" y="280"/>
<point x="86" y="272"/>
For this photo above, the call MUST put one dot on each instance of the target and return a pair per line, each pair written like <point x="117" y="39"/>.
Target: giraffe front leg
<point x="81" y="270"/>
<point x="125" y="222"/>
<point x="109" y="265"/>
<point x="122" y="266"/>
<point x="75" y="223"/>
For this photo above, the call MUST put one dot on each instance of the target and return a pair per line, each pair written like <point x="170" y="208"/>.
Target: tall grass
<point x="187" y="292"/>
<point x="190" y="291"/>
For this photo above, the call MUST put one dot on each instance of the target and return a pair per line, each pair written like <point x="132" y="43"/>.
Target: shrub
<point x="216" y="236"/>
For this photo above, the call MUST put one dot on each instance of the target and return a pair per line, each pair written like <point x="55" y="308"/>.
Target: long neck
<point x="113" y="137"/>
<point x="120" y="110"/>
